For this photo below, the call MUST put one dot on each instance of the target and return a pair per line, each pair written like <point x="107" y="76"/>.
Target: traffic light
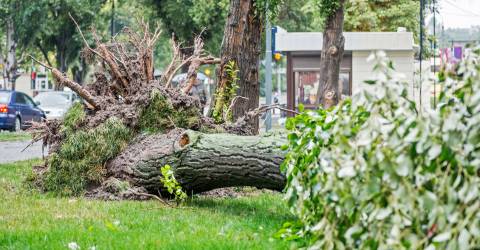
<point x="207" y="72"/>
<point x="277" y="56"/>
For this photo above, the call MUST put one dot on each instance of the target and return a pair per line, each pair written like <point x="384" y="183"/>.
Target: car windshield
<point x="51" y="99"/>
<point x="4" y="97"/>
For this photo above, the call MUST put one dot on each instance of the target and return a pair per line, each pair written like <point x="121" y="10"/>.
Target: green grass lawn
<point x="31" y="220"/>
<point x="14" y="136"/>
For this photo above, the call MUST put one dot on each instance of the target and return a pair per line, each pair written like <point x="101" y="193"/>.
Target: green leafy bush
<point x="82" y="155"/>
<point x="379" y="173"/>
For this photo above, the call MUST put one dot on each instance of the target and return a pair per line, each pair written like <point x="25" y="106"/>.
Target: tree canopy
<point x="187" y="18"/>
<point x="385" y="15"/>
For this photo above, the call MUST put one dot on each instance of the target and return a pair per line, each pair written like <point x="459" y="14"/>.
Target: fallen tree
<point x="132" y="125"/>
<point x="200" y="162"/>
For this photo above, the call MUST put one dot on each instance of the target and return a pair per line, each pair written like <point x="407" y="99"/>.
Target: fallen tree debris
<point x="136" y="125"/>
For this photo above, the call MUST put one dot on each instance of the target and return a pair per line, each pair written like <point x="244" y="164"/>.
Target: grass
<point x="31" y="220"/>
<point x="14" y="136"/>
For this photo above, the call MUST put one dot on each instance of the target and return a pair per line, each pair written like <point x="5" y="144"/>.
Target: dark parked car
<point x="17" y="110"/>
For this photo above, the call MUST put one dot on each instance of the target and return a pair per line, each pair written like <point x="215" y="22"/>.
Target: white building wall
<point x="23" y="84"/>
<point x="313" y="41"/>
<point x="403" y="62"/>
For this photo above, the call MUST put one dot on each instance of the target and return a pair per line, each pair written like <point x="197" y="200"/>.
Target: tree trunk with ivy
<point x="238" y="70"/>
<point x="331" y="56"/>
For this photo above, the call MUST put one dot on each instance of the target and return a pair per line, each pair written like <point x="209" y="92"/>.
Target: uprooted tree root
<point x="122" y="104"/>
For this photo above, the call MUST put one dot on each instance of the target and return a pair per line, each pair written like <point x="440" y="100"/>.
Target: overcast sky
<point x="460" y="13"/>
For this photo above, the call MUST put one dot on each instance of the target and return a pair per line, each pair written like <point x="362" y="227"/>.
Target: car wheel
<point x="18" y="125"/>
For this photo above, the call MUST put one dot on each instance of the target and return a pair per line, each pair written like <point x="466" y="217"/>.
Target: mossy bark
<point x="242" y="45"/>
<point x="202" y="162"/>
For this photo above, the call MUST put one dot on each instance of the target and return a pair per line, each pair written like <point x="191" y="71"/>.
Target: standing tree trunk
<point x="331" y="57"/>
<point x="61" y="61"/>
<point x="80" y="72"/>
<point x="241" y="45"/>
<point x="4" y="80"/>
<point x="11" y="67"/>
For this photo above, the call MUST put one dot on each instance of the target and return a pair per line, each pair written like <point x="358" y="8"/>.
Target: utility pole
<point x="112" y="20"/>
<point x="434" y="55"/>
<point x="268" y="73"/>
<point x="422" y="4"/>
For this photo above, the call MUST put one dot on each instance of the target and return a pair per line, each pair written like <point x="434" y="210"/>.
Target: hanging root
<point x="197" y="61"/>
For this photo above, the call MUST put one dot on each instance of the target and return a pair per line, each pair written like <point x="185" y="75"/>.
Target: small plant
<point x="171" y="184"/>
<point x="226" y="94"/>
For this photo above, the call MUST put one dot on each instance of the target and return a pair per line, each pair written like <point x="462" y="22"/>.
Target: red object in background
<point x="308" y="78"/>
<point x="3" y="108"/>
<point x="34" y="75"/>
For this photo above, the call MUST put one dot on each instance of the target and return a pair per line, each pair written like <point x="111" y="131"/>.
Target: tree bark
<point x="3" y="82"/>
<point x="331" y="57"/>
<point x="80" y="72"/>
<point x="242" y="44"/>
<point x="61" y="56"/>
<point x="11" y="67"/>
<point x="202" y="162"/>
<point x="62" y="80"/>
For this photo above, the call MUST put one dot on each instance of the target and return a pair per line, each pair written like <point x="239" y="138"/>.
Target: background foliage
<point x="44" y="29"/>
<point x="377" y="173"/>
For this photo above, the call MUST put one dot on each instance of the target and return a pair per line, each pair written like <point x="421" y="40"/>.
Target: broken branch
<point x="83" y="37"/>
<point x="75" y="87"/>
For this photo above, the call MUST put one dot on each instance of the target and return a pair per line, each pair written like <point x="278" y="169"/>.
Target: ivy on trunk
<point x="241" y="45"/>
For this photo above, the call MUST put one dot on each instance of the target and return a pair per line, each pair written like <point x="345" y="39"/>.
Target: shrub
<point x="377" y="172"/>
<point x="81" y="157"/>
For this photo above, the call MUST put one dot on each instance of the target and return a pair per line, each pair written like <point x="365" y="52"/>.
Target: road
<point x="11" y="151"/>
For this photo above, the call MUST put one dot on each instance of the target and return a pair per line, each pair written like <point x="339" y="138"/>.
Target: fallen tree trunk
<point x="105" y="151"/>
<point x="201" y="162"/>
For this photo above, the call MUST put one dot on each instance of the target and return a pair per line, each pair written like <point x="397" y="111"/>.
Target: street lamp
<point x="112" y="20"/>
<point x="268" y="70"/>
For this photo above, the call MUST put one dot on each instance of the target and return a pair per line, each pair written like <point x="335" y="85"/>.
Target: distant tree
<point x="187" y="18"/>
<point x="332" y="52"/>
<point x="360" y="15"/>
<point x="52" y="29"/>
<point x="299" y="16"/>
<point x="8" y="46"/>
<point x="458" y="34"/>
<point x="62" y="31"/>
<point x="385" y="15"/>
